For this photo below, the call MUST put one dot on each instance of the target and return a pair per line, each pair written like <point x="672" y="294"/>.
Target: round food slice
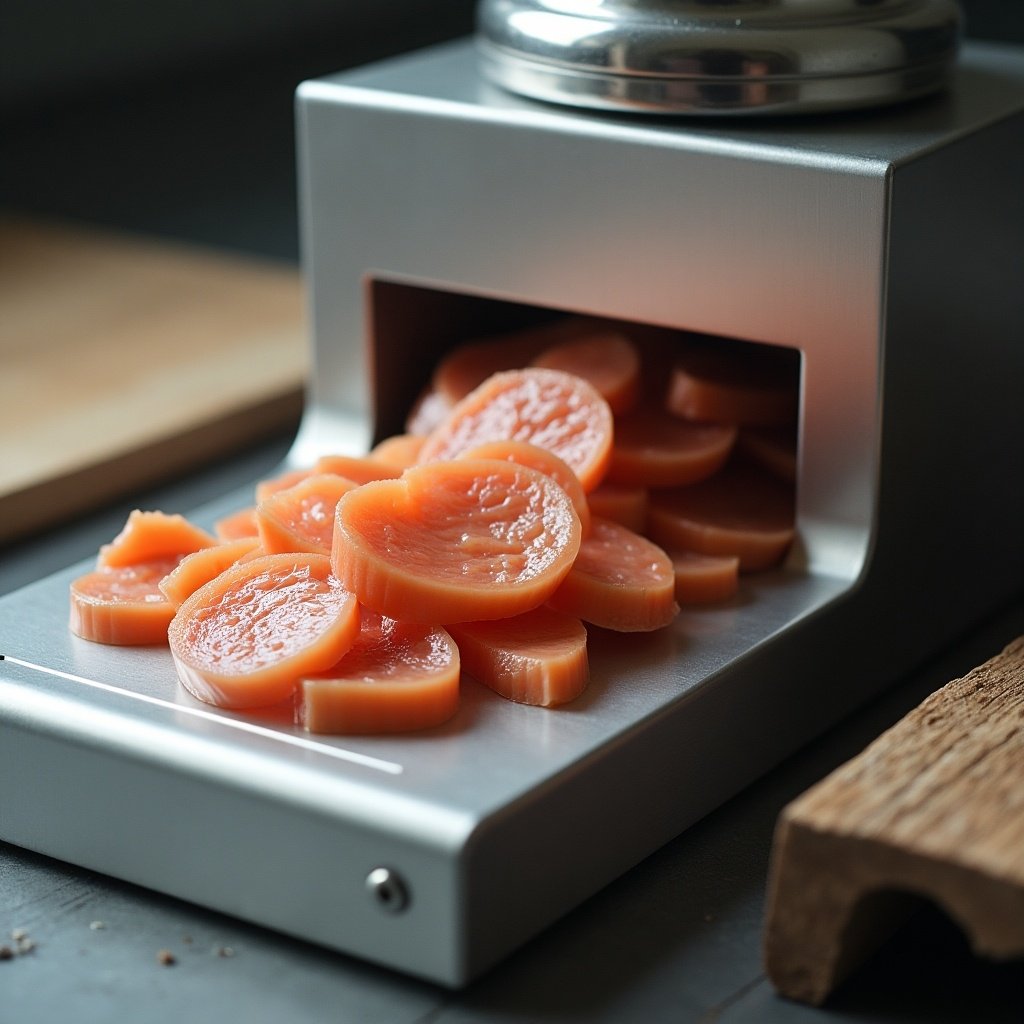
<point x="548" y="408"/>
<point x="397" y="677"/>
<point x="607" y="359"/>
<point x="244" y="639"/>
<point x="619" y="581"/>
<point x="359" y="468"/>
<point x="301" y="518"/>
<point x="122" y="604"/>
<point x="469" y="364"/>
<point x="705" y="579"/>
<point x="539" y="657"/>
<point x="772" y="448"/>
<point x="197" y="569"/>
<point x="237" y="525"/>
<point x="429" y="411"/>
<point x="655" y="449"/>
<point x="546" y="462"/>
<point x="289" y="478"/>
<point x="456" y="541"/>
<point x="741" y="511"/>
<point x="752" y="385"/>
<point x="150" y="536"/>
<point x="400" y="450"/>
<point x="622" y="503"/>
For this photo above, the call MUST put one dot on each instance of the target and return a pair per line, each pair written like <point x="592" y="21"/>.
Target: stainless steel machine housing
<point x="884" y="247"/>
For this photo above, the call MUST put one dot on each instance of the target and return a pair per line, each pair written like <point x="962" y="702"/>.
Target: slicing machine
<point x="883" y="245"/>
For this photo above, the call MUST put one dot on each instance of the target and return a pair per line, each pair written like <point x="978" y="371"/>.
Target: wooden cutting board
<point x="125" y="360"/>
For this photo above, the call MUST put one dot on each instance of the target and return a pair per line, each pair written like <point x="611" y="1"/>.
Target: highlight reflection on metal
<point x="213" y="716"/>
<point x="719" y="56"/>
<point x="388" y="890"/>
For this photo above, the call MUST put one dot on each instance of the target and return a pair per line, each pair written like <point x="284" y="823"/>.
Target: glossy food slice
<point x="772" y="448"/>
<point x="281" y="482"/>
<point x="655" y="449"/>
<point x="456" y="541"/>
<point x="397" y="677"/>
<point x="246" y="638"/>
<point x="607" y="359"/>
<point x="525" y="454"/>
<point x="741" y="511"/>
<point x="237" y="525"/>
<point x="301" y="518"/>
<point x="705" y="579"/>
<point x="749" y="385"/>
<point x="399" y="451"/>
<point x="622" y="503"/>
<point x="548" y="408"/>
<point x="429" y="411"/>
<point x="359" y="468"/>
<point x="150" y="536"/>
<point x="538" y="658"/>
<point x="122" y="605"/>
<point x="197" y="569"/>
<point x="620" y="581"/>
<point x="468" y="365"/>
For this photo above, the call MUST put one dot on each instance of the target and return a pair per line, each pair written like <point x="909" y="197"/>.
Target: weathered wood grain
<point x="933" y="808"/>
<point x="127" y="360"/>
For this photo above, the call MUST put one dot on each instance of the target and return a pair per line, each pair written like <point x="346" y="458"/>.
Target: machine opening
<point x="702" y="408"/>
<point x="413" y="328"/>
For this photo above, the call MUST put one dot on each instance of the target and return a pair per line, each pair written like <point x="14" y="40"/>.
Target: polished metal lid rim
<point x="669" y="96"/>
<point x="617" y="43"/>
<point x="499" y="53"/>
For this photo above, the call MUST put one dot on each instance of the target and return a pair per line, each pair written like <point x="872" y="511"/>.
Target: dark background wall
<point x="174" y="117"/>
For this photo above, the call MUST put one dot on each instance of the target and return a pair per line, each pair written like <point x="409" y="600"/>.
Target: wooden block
<point x="127" y="360"/>
<point x="933" y="808"/>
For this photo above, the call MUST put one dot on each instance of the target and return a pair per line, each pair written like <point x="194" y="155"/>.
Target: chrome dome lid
<point x="719" y="56"/>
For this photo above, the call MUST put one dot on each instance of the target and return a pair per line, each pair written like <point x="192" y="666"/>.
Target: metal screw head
<point x="388" y="890"/>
